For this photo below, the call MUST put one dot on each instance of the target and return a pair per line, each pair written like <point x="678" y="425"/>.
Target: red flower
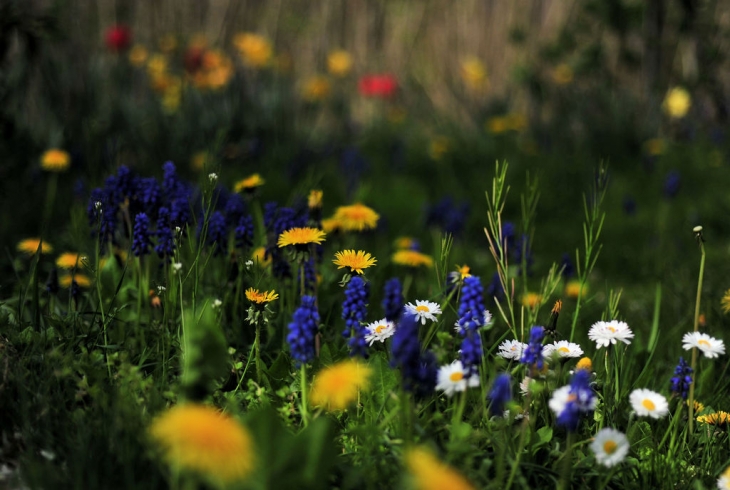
<point x="118" y="38"/>
<point x="383" y="86"/>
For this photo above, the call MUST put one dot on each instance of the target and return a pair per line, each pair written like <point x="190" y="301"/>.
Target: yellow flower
<point x="431" y="474"/>
<point x="516" y="122"/>
<point x="200" y="438"/>
<point x="254" y="49"/>
<point x="463" y="271"/>
<point x="30" y="246"/>
<point x="254" y="296"/>
<point x="531" y="300"/>
<point x="156" y="66"/>
<point x="249" y="183"/>
<point x="316" y="88"/>
<point x="356" y="217"/>
<point x="473" y="73"/>
<point x="356" y="261"/>
<point x="497" y="125"/>
<point x="336" y="386"/>
<point x="562" y="74"/>
<point x="69" y="260"/>
<point x="301" y="236"/>
<point x="412" y="258"/>
<point x="199" y="161"/>
<point x="698" y="406"/>
<point x="55" y="160"/>
<point x="573" y="289"/>
<point x="438" y="147"/>
<point x="81" y="280"/>
<point x="339" y="63"/>
<point x="725" y="302"/>
<point x="315" y="199"/>
<point x="585" y="363"/>
<point x="138" y="55"/>
<point x="654" y="146"/>
<point x="168" y="43"/>
<point x="259" y="256"/>
<point x="717" y="418"/>
<point x="677" y="103"/>
<point x="331" y="225"/>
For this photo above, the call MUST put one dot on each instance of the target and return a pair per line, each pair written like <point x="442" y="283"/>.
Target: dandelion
<point x="302" y="330"/>
<point x="725" y="302"/>
<point x="710" y="346"/>
<point x="249" y="183"/>
<point x="314" y="200"/>
<point x="648" y="403"/>
<point x="412" y="258"/>
<point x="429" y="473"/>
<point x="138" y="55"/>
<point x="356" y="261"/>
<point x="407" y="243"/>
<point x="30" y="246"/>
<point x="610" y="447"/>
<point x="356" y="217"/>
<point x="473" y="73"/>
<point x="316" y="88"/>
<point x="339" y="63"/>
<point x="424" y="310"/>
<point x="500" y="394"/>
<point x="531" y="300"/>
<point x="605" y="333"/>
<point x="254" y="296"/>
<point x="55" y="160"/>
<point x="723" y="483"/>
<point x="511" y="349"/>
<point x="585" y="364"/>
<point x="259" y="257"/>
<point x="562" y="349"/>
<point x="68" y="280"/>
<point x="200" y="438"/>
<point x="562" y="74"/>
<point x="453" y="377"/>
<point x="69" y="260"/>
<point x="717" y="418"/>
<point x="255" y="50"/>
<point x="573" y="289"/>
<point x="301" y="236"/>
<point x="379" y="331"/>
<point x="337" y="386"/>
<point x="393" y="299"/>
<point x="698" y="406"/>
<point x="677" y="103"/>
<point x="682" y="379"/>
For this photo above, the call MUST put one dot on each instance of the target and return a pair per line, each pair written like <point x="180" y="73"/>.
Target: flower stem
<point x="701" y="242"/>
<point x="304" y="413"/>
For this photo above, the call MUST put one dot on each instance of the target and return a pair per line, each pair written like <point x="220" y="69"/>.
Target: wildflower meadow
<point x="349" y="247"/>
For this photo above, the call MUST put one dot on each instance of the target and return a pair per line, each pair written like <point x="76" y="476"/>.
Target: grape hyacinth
<point x="302" y="331"/>
<point x="418" y="371"/>
<point x="682" y="379"/>
<point x="471" y="318"/>
<point x="532" y="355"/>
<point x="393" y="300"/>
<point x="354" y="309"/>
<point x="141" y="243"/>
<point x="165" y="239"/>
<point x="500" y="394"/>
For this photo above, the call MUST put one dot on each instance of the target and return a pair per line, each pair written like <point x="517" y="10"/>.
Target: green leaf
<point x="383" y="380"/>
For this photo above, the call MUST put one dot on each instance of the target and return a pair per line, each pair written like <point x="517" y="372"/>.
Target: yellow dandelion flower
<point x="81" y="280"/>
<point x="249" y="183"/>
<point x="331" y="225"/>
<point x="315" y="199"/>
<point x="356" y="217"/>
<point x="531" y="300"/>
<point x="677" y="103"/>
<point x="339" y="63"/>
<point x="718" y="418"/>
<point x="316" y="88"/>
<point x="573" y="289"/>
<point x="200" y="438"/>
<point x="698" y="406"/>
<point x="412" y="258"/>
<point x="463" y="271"/>
<point x="429" y="473"/>
<point x="138" y="55"/>
<point x="473" y="73"/>
<point x="585" y="363"/>
<point x="254" y="296"/>
<point x="55" y="160"/>
<point x="725" y="302"/>
<point x="301" y="236"/>
<point x="655" y="146"/>
<point x="259" y="257"/>
<point x="438" y="147"/>
<point x="405" y="242"/>
<point x="497" y="125"/>
<point x="69" y="260"/>
<point x="30" y="246"/>
<point x="356" y="261"/>
<point x="336" y="386"/>
<point x="156" y="66"/>
<point x="562" y="74"/>
<point x="255" y="50"/>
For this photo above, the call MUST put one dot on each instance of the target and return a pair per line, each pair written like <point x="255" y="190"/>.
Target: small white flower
<point x="610" y="446"/>
<point x="562" y="349"/>
<point x="560" y="399"/>
<point x="249" y="264"/>
<point x="604" y="333"/>
<point x="451" y="379"/>
<point x="525" y="385"/>
<point x="49" y="455"/>
<point x="723" y="482"/>
<point x="97" y="205"/>
<point x="710" y="346"/>
<point x="380" y="331"/>
<point x="511" y="349"/>
<point x="217" y="303"/>
<point x="424" y="310"/>
<point x="212" y="177"/>
<point x="161" y="289"/>
<point x="176" y="267"/>
<point x="178" y="230"/>
<point x="648" y="403"/>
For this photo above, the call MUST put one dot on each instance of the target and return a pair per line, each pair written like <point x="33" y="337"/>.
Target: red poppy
<point x="383" y="86"/>
<point x="118" y="38"/>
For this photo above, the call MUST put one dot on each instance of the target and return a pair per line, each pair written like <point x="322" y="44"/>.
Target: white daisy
<point x="424" y="310"/>
<point x="604" y="333"/>
<point x="511" y="349"/>
<point x="610" y="446"/>
<point x="648" y="403"/>
<point x="563" y="349"/>
<point x="723" y="482"/>
<point x="560" y="399"/>
<point x="451" y="379"/>
<point x="525" y="385"/>
<point x="380" y="331"/>
<point x="709" y="346"/>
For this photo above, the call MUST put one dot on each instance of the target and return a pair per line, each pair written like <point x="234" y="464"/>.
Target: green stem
<point x="565" y="470"/>
<point x="696" y="327"/>
<point x="257" y="345"/>
<point x="305" y="414"/>
<point x="520" y="449"/>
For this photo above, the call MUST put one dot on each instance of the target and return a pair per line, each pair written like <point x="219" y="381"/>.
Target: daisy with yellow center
<point x="424" y="310"/>
<point x="69" y="260"/>
<point x="202" y="439"/>
<point x="30" y="246"/>
<point x="562" y="349"/>
<point x="55" y="160"/>
<point x="337" y="386"/>
<point x="610" y="447"/>
<point x="717" y="418"/>
<point x="605" y="333"/>
<point x="428" y="473"/>
<point x="314" y="201"/>
<point x="249" y="183"/>
<point x="647" y="403"/>
<point x="260" y="297"/>
<point x="301" y="236"/>
<point x="356" y="261"/>
<point x="451" y="379"/>
<point x="356" y="217"/>
<point x="710" y="346"/>
<point x="81" y="280"/>
<point x="412" y="258"/>
<point x="379" y="331"/>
